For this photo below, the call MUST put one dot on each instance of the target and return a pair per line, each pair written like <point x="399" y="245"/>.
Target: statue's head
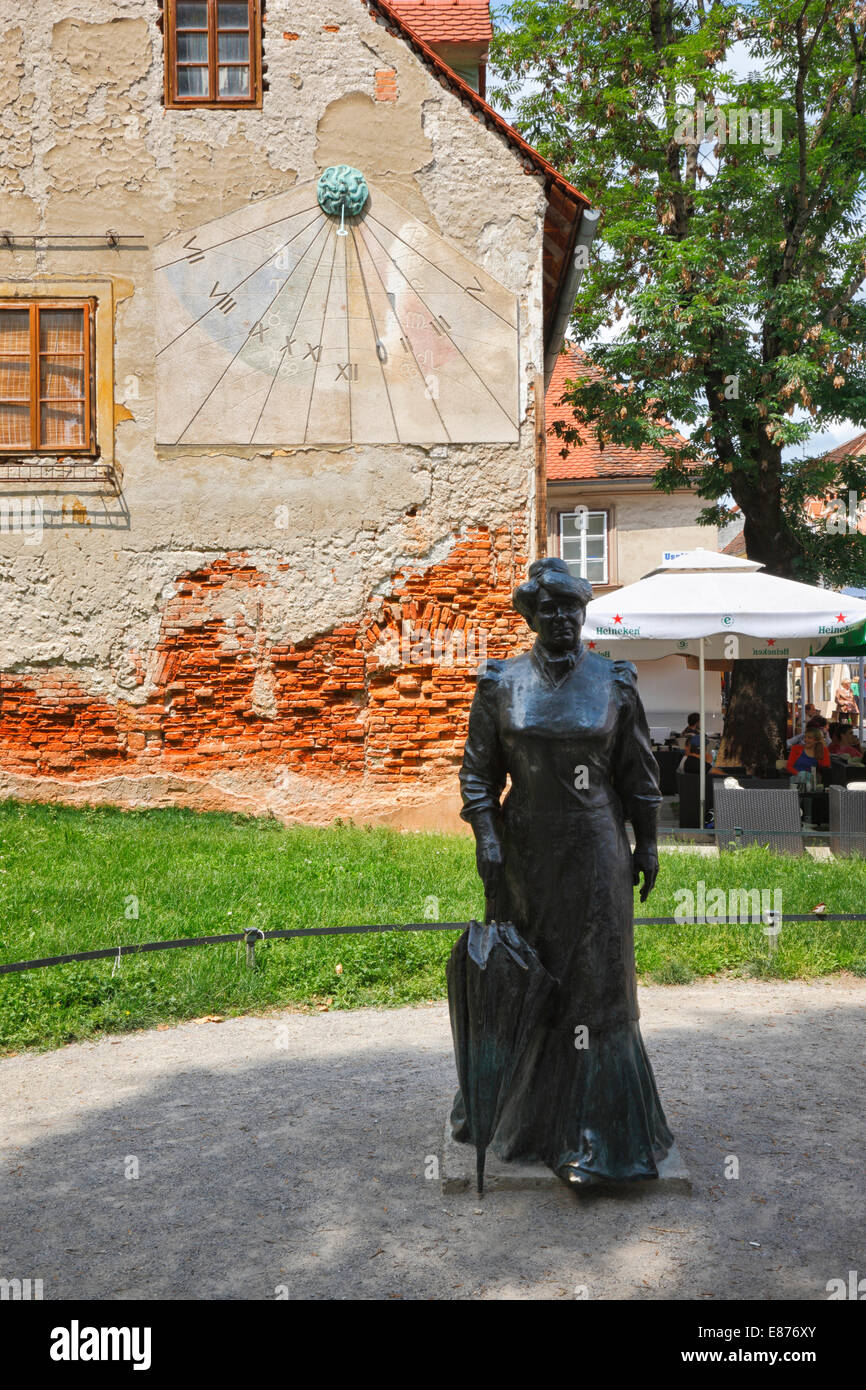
<point x="553" y="602"/>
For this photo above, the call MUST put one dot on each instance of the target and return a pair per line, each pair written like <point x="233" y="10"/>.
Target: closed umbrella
<point x="498" y="994"/>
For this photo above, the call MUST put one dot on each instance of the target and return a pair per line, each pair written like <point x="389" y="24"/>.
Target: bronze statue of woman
<point x="569" y="729"/>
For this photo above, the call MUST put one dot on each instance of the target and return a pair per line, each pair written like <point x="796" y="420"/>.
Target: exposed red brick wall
<point x="386" y="84"/>
<point x="338" y="707"/>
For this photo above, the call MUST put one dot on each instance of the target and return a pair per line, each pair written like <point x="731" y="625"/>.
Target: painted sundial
<point x="330" y="315"/>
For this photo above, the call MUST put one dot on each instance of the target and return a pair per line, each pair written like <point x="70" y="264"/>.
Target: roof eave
<point x="485" y="112"/>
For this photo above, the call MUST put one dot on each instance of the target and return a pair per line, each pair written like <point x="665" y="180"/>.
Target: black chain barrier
<point x="254" y="934"/>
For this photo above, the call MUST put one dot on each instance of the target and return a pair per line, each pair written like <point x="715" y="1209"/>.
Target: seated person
<point x="846" y="744"/>
<point x="817" y="722"/>
<point x="810" y="752"/>
<point x="692" y="761"/>
<point x="692" y="727"/>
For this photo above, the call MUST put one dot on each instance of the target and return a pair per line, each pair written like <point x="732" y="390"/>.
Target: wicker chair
<point x="766" y="817"/>
<point x="847" y="820"/>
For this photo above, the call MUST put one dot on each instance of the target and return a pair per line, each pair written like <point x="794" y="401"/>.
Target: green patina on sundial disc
<point x="342" y="190"/>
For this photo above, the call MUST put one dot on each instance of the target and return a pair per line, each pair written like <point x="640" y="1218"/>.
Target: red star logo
<point x="771" y="641"/>
<point x="617" y="619"/>
<point x="591" y="646"/>
<point x="840" y="617"/>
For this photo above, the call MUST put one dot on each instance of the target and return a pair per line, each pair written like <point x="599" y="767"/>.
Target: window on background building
<point x="212" y="51"/>
<point x="583" y="544"/>
<point x="46" y="377"/>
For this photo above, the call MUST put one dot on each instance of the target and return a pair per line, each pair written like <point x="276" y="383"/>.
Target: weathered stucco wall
<point x="645" y="523"/>
<point x="649" y="523"/>
<point x="91" y="610"/>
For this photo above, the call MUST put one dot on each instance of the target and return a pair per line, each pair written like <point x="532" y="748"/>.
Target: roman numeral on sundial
<point x="347" y="371"/>
<point x="224" y="301"/>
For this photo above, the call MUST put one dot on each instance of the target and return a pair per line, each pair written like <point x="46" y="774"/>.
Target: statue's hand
<point x="645" y="861"/>
<point x="489" y="860"/>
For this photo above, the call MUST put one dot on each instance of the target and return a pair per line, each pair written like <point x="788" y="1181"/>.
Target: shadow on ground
<point x="291" y="1155"/>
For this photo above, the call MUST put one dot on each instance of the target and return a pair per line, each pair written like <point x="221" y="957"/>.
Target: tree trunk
<point x="755" y="722"/>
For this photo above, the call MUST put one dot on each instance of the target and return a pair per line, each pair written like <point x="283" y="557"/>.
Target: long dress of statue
<point x="569" y="729"/>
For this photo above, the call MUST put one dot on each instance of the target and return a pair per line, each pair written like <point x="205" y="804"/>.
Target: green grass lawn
<point x="72" y="880"/>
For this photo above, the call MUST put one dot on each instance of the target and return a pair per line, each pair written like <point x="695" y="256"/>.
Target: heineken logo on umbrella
<point x="618" y="631"/>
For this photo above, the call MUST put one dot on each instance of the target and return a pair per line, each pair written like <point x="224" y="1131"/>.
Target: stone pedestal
<point x="458" y="1174"/>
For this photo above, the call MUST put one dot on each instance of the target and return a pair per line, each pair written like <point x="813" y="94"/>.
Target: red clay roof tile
<point x="588" y="460"/>
<point x="857" y="445"/>
<point x="736" y="546"/>
<point x="446" y="21"/>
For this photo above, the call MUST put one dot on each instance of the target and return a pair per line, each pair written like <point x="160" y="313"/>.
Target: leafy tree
<point x="730" y="257"/>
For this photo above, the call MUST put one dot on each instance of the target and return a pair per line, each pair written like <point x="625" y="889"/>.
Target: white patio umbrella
<point x="717" y="605"/>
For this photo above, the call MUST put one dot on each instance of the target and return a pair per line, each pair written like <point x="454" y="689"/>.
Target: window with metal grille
<point x="583" y="544"/>
<point x="213" y="53"/>
<point x="46" y="377"/>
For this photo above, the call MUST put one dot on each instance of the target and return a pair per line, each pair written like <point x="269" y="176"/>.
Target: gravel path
<point x="290" y="1153"/>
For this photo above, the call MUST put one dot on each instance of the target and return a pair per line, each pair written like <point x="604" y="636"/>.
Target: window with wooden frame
<point x="47" y="376"/>
<point x="213" y="53"/>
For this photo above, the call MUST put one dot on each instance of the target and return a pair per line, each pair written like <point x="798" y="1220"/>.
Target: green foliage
<point x="672" y="972"/>
<point x="738" y="265"/>
<point x="67" y="876"/>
